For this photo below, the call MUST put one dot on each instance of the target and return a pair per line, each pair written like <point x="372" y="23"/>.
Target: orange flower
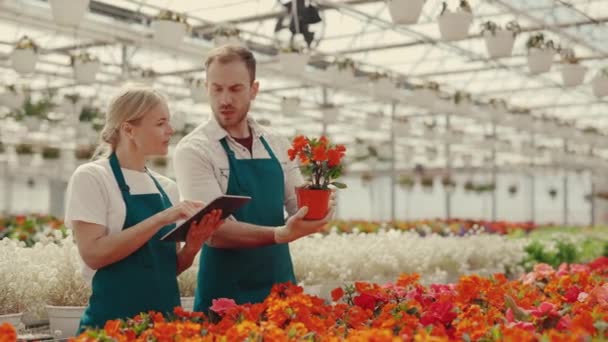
<point x="7" y="333"/>
<point x="334" y="157"/>
<point x="337" y="294"/>
<point x="323" y="140"/>
<point x="299" y="142"/>
<point x="319" y="153"/>
<point x="304" y="159"/>
<point x="292" y="154"/>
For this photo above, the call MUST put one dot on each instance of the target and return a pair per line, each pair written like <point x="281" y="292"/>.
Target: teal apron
<point x="146" y="279"/>
<point x="247" y="274"/>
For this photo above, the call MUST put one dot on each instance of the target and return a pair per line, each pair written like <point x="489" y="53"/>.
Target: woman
<point x="118" y="211"/>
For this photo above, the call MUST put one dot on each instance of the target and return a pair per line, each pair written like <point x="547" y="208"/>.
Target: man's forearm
<point x="234" y="234"/>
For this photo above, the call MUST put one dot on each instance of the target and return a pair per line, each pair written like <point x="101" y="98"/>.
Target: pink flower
<point x="545" y="309"/>
<point x="578" y="268"/>
<point x="522" y="325"/>
<point x="572" y="293"/>
<point x="543" y="270"/>
<point x="582" y="297"/>
<point x="600" y="294"/>
<point x="221" y="305"/>
<point x="440" y="289"/>
<point x="564" y="323"/>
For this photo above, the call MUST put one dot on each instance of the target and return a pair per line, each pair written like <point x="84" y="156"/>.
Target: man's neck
<point x="240" y="131"/>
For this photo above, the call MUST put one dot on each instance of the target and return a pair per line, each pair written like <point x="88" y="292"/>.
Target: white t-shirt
<point x="93" y="196"/>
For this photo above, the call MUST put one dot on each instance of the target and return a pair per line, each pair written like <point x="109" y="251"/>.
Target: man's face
<point x="230" y="92"/>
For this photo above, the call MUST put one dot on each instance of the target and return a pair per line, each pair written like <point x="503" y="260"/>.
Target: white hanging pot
<point x="573" y="74"/>
<point x="499" y="44"/>
<point x="293" y="62"/>
<point x="12" y="319"/>
<point x="455" y="25"/>
<point x="330" y="115"/>
<point x="290" y="105"/>
<point x="382" y="88"/>
<point x="64" y="320"/>
<point x="540" y="60"/>
<point x="86" y="72"/>
<point x="12" y="100"/>
<point x="599" y="84"/>
<point x="339" y="77"/>
<point x="69" y="12"/>
<point x="198" y="93"/>
<point x="405" y="12"/>
<point x="425" y="97"/>
<point x="168" y="32"/>
<point x="24" y="60"/>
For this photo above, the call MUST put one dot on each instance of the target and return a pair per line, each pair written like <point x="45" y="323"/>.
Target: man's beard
<point x="240" y="117"/>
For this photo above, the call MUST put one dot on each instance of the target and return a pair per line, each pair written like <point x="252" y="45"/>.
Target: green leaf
<point x="338" y="185"/>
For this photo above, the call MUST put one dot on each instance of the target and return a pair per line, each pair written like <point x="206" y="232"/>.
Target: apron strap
<point x="230" y="152"/>
<point x="120" y="178"/>
<point x="267" y="147"/>
<point x="160" y="189"/>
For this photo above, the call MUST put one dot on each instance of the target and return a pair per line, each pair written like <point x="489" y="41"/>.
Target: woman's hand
<point x="201" y="231"/>
<point x="182" y="211"/>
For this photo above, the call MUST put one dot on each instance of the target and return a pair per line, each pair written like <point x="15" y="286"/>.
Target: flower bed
<point x="426" y="227"/>
<point x="569" y="304"/>
<point x="32" y="228"/>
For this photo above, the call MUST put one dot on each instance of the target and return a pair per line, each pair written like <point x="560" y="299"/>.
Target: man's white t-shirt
<point x="93" y="196"/>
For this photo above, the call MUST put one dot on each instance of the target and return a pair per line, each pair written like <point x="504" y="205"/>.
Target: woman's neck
<point x="130" y="158"/>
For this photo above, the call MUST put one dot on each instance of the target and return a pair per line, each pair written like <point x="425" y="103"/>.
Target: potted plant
<point x="599" y="84"/>
<point x="25" y="153"/>
<point x="405" y="12"/>
<point x="448" y="184"/>
<point x="381" y="85"/>
<point x="72" y="106"/>
<point x="463" y="102"/>
<point x="469" y="186"/>
<point x="406" y="182"/>
<point x="290" y="105"/>
<point x="330" y="113"/>
<point x="427" y="94"/>
<point x="341" y="72"/>
<point x="573" y="73"/>
<point x="170" y="28"/>
<point x="321" y="163"/>
<point x="499" y="41"/>
<point x="224" y="35"/>
<point x="427" y="183"/>
<point x="455" y="25"/>
<point x="198" y="90"/>
<point x="68" y="12"/>
<point x="540" y="53"/>
<point x="513" y="189"/>
<point x="33" y="111"/>
<point x="25" y="55"/>
<point x="498" y="108"/>
<point x="293" y="60"/>
<point x="552" y="193"/>
<point x="12" y="97"/>
<point x="85" y="67"/>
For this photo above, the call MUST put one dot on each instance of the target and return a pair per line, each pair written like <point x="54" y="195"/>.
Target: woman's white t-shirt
<point x="93" y="196"/>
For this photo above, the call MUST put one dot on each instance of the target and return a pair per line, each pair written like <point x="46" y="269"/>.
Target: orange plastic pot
<point x="317" y="202"/>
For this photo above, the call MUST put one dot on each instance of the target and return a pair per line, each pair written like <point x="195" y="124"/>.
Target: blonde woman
<point x="118" y="210"/>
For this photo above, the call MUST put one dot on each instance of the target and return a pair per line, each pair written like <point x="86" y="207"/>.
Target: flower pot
<point x="86" y="72"/>
<point x="69" y="12"/>
<point x="293" y="62"/>
<point x="539" y="60"/>
<point x="455" y="25"/>
<point x="64" y="320"/>
<point x="573" y="74"/>
<point x="168" y="32"/>
<point x="24" y="60"/>
<point x="12" y="319"/>
<point x="317" y="202"/>
<point x="599" y="84"/>
<point x="187" y="303"/>
<point x="500" y="44"/>
<point x="405" y="12"/>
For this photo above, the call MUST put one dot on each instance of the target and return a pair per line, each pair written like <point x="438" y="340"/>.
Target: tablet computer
<point x="229" y="204"/>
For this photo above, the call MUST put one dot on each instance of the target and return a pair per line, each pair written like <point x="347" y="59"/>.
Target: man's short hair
<point x="230" y="53"/>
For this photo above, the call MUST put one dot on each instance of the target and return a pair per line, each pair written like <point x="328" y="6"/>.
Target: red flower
<point x="572" y="293"/>
<point x="365" y="301"/>
<point x="221" y="305"/>
<point x="334" y="156"/>
<point x="337" y="294"/>
<point x="7" y="333"/>
<point x="599" y="263"/>
<point x="323" y="140"/>
<point x="319" y="153"/>
<point x="438" y="313"/>
<point x="564" y="323"/>
<point x="299" y="142"/>
<point x="292" y="154"/>
<point x="304" y="159"/>
<point x="545" y="309"/>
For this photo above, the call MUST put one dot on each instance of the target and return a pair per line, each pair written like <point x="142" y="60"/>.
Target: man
<point x="232" y="154"/>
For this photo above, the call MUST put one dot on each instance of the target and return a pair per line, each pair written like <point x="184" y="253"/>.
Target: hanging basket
<point x="405" y="12"/>
<point x="168" y="32"/>
<point x="293" y="62"/>
<point x="425" y="97"/>
<point x="86" y="72"/>
<point x="455" y="25"/>
<point x="599" y="84"/>
<point x="68" y="12"/>
<point x="499" y="44"/>
<point x="24" y="60"/>
<point x="540" y="60"/>
<point x="340" y="77"/>
<point x="573" y="74"/>
<point x="382" y="88"/>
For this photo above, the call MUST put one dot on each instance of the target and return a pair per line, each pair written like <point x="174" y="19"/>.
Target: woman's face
<point x="151" y="133"/>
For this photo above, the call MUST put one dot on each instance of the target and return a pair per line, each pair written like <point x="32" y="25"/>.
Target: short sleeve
<point x="86" y="199"/>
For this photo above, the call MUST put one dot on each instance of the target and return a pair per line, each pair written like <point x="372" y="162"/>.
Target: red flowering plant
<point x="321" y="162"/>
